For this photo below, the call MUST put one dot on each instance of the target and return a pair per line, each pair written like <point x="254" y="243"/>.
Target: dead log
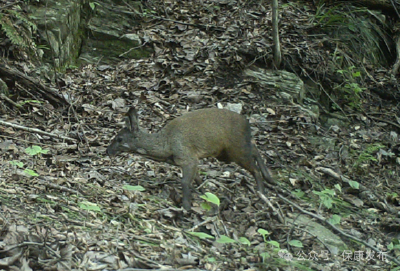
<point x="35" y="86"/>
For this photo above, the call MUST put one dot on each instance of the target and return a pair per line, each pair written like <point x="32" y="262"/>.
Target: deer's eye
<point x="119" y="139"/>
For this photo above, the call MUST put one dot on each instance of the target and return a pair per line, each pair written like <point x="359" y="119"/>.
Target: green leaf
<point x="335" y="219"/>
<point x="273" y="243"/>
<point x="327" y="202"/>
<point x="325" y="197"/>
<point x="263" y="232"/>
<point x="147" y="231"/>
<point x="330" y="192"/>
<point x="134" y="187"/>
<point x="31" y="150"/>
<point x="29" y="101"/>
<point x="296" y="243"/>
<point x="31" y="172"/>
<point x="211" y="260"/>
<point x="210" y="197"/>
<point x="225" y="240"/>
<point x="265" y="255"/>
<point x="89" y="206"/>
<point x="17" y="163"/>
<point x="392" y="195"/>
<point x="34" y="150"/>
<point x="338" y="187"/>
<point x="298" y="193"/>
<point x="352" y="28"/>
<point x="354" y="184"/>
<point x="201" y="235"/>
<point x="205" y="206"/>
<point x="244" y="241"/>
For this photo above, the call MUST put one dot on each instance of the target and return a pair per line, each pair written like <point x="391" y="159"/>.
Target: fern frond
<point x="12" y="33"/>
<point x="24" y="19"/>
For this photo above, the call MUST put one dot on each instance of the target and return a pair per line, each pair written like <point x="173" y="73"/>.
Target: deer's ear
<point x="131" y="120"/>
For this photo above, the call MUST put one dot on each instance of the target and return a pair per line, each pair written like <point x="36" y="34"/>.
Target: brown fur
<point x="218" y="133"/>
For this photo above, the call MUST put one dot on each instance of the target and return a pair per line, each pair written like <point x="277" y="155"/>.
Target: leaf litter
<point x="85" y="211"/>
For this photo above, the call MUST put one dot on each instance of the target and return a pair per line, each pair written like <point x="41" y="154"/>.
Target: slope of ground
<point x="66" y="205"/>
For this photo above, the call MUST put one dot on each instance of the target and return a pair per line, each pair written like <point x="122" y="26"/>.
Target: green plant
<point x="17" y="27"/>
<point x="35" y="150"/>
<point x="31" y="172"/>
<point x="21" y="165"/>
<point x="366" y="156"/>
<point x="350" y="89"/>
<point x="359" y="30"/>
<point x="326" y="197"/>
<point x="32" y="151"/>
<point x="394" y="245"/>
<point x="295" y="243"/>
<point x="93" y="5"/>
<point x="328" y="16"/>
<point x="271" y="254"/>
<point x="209" y="198"/>
<point x="275" y="245"/>
<point x="148" y="12"/>
<point x="29" y="101"/>
<point x="17" y="163"/>
<point x="89" y="206"/>
<point x="201" y="235"/>
<point x="335" y="219"/>
<point x="134" y="188"/>
<point x="298" y="193"/>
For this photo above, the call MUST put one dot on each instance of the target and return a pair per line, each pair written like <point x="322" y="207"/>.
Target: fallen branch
<point x="382" y="206"/>
<point x="59" y="187"/>
<point x="323" y="220"/>
<point x="34" y="130"/>
<point x="10" y="101"/>
<point x="48" y="93"/>
<point x="383" y="120"/>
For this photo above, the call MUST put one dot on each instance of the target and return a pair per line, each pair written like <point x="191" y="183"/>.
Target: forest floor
<point x="66" y="205"/>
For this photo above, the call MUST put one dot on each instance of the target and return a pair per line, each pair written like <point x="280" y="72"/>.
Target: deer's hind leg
<point x="189" y="172"/>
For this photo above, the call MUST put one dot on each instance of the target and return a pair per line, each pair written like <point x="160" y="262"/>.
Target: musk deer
<point x="211" y="132"/>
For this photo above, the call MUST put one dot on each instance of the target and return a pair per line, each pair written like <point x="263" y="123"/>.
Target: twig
<point x="210" y="219"/>
<point x="34" y="130"/>
<point x="10" y="101"/>
<point x="21" y="245"/>
<point x="383" y="120"/>
<point x="266" y="200"/>
<point x="59" y="187"/>
<point x="148" y="260"/>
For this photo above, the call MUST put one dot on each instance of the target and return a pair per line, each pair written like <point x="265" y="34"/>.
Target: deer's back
<point x="208" y="133"/>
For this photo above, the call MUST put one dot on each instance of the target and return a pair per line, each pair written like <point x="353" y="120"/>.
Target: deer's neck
<point x="154" y="146"/>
